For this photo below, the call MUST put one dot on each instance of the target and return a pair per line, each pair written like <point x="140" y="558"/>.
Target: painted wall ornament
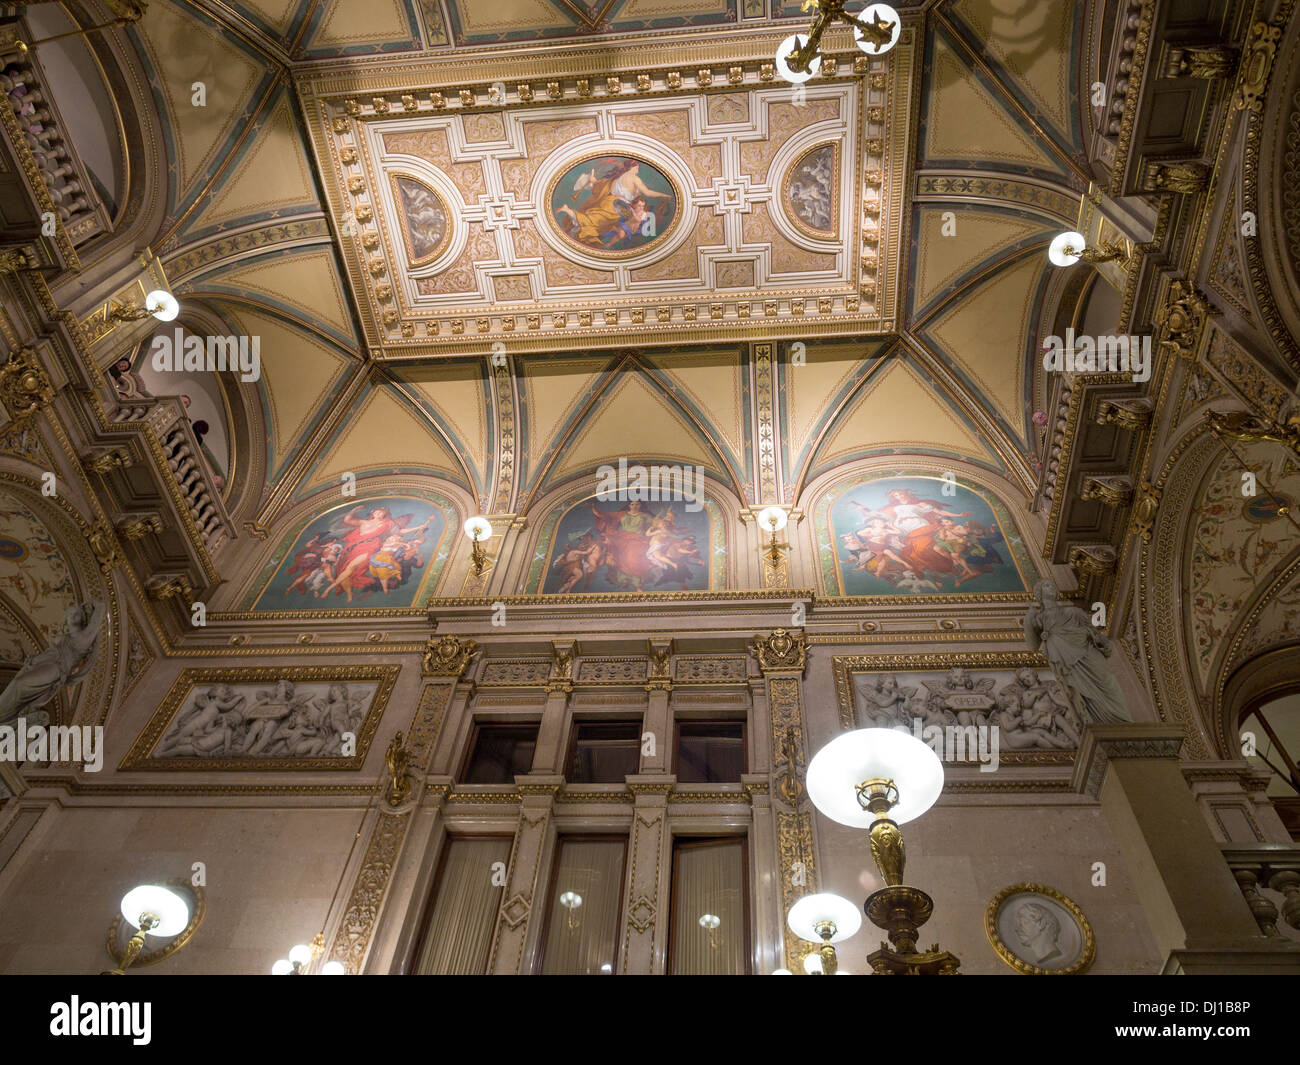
<point x="378" y="553"/>
<point x="1077" y="652"/>
<point x="631" y="546"/>
<point x="64" y="662"/>
<point x="918" y="535"/>
<point x="613" y="206"/>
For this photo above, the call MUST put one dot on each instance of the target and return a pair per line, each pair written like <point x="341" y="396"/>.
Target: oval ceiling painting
<point x="810" y="187"/>
<point x="614" y="206"/>
<point x="426" y="222"/>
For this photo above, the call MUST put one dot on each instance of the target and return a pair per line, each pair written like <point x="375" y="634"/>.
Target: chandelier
<point x="875" y="29"/>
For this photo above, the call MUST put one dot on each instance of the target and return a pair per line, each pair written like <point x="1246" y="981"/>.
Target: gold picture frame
<point x="1081" y="957"/>
<point x="139" y="757"/>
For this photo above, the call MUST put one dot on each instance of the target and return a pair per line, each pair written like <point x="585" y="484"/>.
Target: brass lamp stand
<point x="898" y="909"/>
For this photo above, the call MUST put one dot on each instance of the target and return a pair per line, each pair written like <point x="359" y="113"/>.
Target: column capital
<point x="447" y="656"/>
<point x="781" y="651"/>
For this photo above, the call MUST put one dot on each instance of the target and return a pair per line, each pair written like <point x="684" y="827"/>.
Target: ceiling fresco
<point x="666" y="251"/>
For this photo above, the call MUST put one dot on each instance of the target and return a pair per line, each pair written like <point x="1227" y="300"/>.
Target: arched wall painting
<point x="917" y="535"/>
<point x="613" y="206"/>
<point x="592" y="546"/>
<point x="383" y="552"/>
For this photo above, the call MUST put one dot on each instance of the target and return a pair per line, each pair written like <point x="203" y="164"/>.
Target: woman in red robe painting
<point x="365" y="537"/>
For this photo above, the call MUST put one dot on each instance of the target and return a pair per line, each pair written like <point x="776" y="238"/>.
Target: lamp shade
<point x="1065" y="248"/>
<point x="570" y="900"/>
<point x="300" y="955"/>
<point x="878" y="13"/>
<point x="796" y="77"/>
<point x="478" y="528"/>
<point x="811" y="910"/>
<point x="812" y="963"/>
<point x="162" y="305"/>
<point x="870" y="754"/>
<point x="172" y="911"/>
<point x="333" y="968"/>
<point x="773" y="519"/>
<point x="283" y="967"/>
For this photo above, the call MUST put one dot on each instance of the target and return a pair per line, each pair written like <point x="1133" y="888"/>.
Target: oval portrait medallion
<point x="426" y="222"/>
<point x="810" y="191"/>
<point x="613" y="206"/>
<point x="12" y="550"/>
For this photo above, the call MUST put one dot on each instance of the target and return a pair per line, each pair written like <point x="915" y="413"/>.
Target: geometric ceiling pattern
<point x="386" y="196"/>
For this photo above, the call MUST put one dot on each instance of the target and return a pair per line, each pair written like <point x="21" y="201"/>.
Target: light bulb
<point x="162" y="305"/>
<point x="333" y="968"/>
<point x="795" y="77"/>
<point x="478" y="528"/>
<point x="300" y="955"/>
<point x="812" y="964"/>
<point x="1066" y="248"/>
<point x="878" y="13"/>
<point x="283" y="967"/>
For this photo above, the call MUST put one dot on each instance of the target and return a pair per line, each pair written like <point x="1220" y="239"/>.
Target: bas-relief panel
<point x="384" y="552"/>
<point x="1237" y="540"/>
<point x="271" y="718"/>
<point x="1027" y="705"/>
<point x="917" y="535"/>
<point x="592" y="546"/>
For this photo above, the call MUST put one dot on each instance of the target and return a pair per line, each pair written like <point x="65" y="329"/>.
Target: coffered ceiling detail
<point x="647" y="205"/>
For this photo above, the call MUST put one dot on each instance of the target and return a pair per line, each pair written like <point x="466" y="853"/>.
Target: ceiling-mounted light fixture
<point x="1070" y="247"/>
<point x="875" y="29"/>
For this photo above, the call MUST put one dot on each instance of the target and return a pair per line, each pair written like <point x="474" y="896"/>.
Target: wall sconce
<point x="878" y="779"/>
<point x="826" y="918"/>
<point x="711" y="922"/>
<point x="571" y="900"/>
<point x="303" y="956"/>
<point x="875" y="30"/>
<point x="775" y="519"/>
<point x="478" y="529"/>
<point x="159" y="303"/>
<point x="1068" y="248"/>
<point x="155" y="910"/>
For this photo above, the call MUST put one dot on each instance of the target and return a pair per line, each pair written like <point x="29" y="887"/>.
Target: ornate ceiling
<point x="381" y="197"/>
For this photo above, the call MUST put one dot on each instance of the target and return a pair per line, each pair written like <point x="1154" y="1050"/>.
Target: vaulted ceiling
<point x="371" y="188"/>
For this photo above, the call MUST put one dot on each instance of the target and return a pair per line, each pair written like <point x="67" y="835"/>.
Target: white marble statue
<point x="64" y="662"/>
<point x="1077" y="653"/>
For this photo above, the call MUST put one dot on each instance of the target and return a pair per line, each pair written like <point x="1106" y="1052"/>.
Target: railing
<point x="33" y="124"/>
<point x="1271" y="866"/>
<point x="170" y="425"/>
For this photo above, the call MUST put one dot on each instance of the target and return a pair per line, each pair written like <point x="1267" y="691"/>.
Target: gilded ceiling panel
<point x="547" y="214"/>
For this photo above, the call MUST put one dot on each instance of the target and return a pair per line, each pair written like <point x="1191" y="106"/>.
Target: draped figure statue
<point x="64" y="662"/>
<point x="1077" y="653"/>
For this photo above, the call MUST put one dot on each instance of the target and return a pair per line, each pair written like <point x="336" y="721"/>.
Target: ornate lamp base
<point x="900" y="911"/>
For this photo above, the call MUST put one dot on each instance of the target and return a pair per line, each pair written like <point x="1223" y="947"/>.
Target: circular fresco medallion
<point x="810" y="191"/>
<point x="12" y="550"/>
<point x="1265" y="508"/>
<point x="613" y="206"/>
<point x="426" y="221"/>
